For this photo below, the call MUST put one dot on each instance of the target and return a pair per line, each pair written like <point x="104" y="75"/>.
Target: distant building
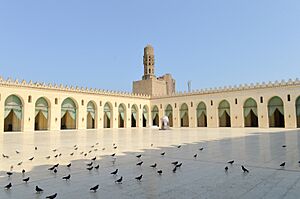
<point x="150" y="84"/>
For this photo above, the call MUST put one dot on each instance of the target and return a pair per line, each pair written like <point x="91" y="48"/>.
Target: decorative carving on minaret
<point x="149" y="62"/>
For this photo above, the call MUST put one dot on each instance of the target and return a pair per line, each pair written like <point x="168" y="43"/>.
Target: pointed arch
<point x="134" y="115"/>
<point x="13" y="113"/>
<point x="42" y="114"/>
<point x="68" y="114"/>
<point x="169" y="114"/>
<point x="91" y="115"/>
<point x="224" y="114"/>
<point x="155" y="116"/>
<point x="184" y="115"/>
<point x="298" y="111"/>
<point x="122" y="115"/>
<point x="145" y="115"/>
<point x="276" y="112"/>
<point x="250" y="113"/>
<point x="201" y="115"/>
<point x="108" y="115"/>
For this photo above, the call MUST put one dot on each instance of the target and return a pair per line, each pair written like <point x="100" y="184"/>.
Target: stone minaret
<point x="148" y="63"/>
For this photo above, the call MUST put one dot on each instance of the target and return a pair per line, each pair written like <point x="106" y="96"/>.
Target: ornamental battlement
<point x="66" y="88"/>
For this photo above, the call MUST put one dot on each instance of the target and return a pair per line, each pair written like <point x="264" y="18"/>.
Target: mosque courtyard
<point x="261" y="151"/>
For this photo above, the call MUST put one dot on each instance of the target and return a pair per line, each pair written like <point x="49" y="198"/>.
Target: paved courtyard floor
<point x="261" y="151"/>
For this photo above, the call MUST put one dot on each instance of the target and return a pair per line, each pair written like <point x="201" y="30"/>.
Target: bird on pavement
<point x="226" y="168"/>
<point x="93" y="159"/>
<point x="195" y="156"/>
<point x="38" y="189"/>
<point x="139" y="156"/>
<point x="26" y="179"/>
<point x="8" y="186"/>
<point x="163" y="153"/>
<point x="159" y="172"/>
<point x="178" y="165"/>
<point x="244" y="169"/>
<point x="282" y="164"/>
<point x="230" y="162"/>
<point x="153" y="165"/>
<point x="139" y="163"/>
<point x="67" y="177"/>
<point x="94" y="188"/>
<point x="52" y="196"/>
<point x="201" y="149"/>
<point x="9" y="173"/>
<point x="119" y="181"/>
<point x="89" y="168"/>
<point x="115" y="172"/>
<point x="31" y="158"/>
<point x="139" y="178"/>
<point x="175" y="163"/>
<point x="69" y="165"/>
<point x="89" y="164"/>
<point x="97" y="167"/>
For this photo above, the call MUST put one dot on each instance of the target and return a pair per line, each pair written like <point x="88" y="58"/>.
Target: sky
<point x="99" y="44"/>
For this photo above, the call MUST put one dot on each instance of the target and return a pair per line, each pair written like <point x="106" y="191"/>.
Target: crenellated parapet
<point x="241" y="87"/>
<point x="65" y="88"/>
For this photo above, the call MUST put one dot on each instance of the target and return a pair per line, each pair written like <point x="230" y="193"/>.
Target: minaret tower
<point x="149" y="63"/>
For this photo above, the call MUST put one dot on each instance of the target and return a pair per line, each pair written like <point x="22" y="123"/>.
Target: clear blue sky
<point x="100" y="44"/>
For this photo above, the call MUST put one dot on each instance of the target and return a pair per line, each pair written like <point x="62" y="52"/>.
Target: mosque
<point x="27" y="106"/>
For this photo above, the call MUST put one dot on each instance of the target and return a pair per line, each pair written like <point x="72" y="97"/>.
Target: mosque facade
<point x="27" y="106"/>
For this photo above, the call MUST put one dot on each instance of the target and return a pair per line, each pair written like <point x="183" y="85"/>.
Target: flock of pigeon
<point x="91" y="165"/>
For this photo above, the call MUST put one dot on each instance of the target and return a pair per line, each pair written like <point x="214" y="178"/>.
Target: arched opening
<point x="250" y="113"/>
<point x="184" y="115"/>
<point x="41" y="121"/>
<point x="108" y="116"/>
<point x="134" y="116"/>
<point x="91" y="115"/>
<point x="122" y="115"/>
<point x="13" y="114"/>
<point x="68" y="114"/>
<point x="224" y="114"/>
<point x="201" y="115"/>
<point x="276" y="112"/>
<point x="155" y="116"/>
<point x="169" y="114"/>
<point x="145" y="116"/>
<point x="298" y="111"/>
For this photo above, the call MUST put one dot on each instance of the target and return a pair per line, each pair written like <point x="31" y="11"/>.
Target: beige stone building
<point x="27" y="106"/>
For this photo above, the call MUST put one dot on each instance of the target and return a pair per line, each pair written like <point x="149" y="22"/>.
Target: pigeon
<point x="230" y="162"/>
<point x="163" y="153"/>
<point x="89" y="168"/>
<point x="201" y="149"/>
<point x="93" y="159"/>
<point x="226" y="169"/>
<point x="195" y="156"/>
<point x="283" y="146"/>
<point x="23" y="171"/>
<point x="48" y="157"/>
<point x="139" y="163"/>
<point x="20" y="163"/>
<point x="9" y="173"/>
<point x="282" y="164"/>
<point x="139" y="156"/>
<point x="17" y="152"/>
<point x="71" y="154"/>
<point x="8" y="186"/>
<point x="76" y="148"/>
<point x="244" y="169"/>
<point x="67" y="177"/>
<point x="56" y="156"/>
<point x="69" y="165"/>
<point x="31" y="158"/>
<point x="60" y="154"/>
<point x="89" y="164"/>
<point x="151" y="145"/>
<point x="95" y="149"/>
<point x="35" y="148"/>
<point x="52" y="196"/>
<point x="179" y="146"/>
<point x="115" y="147"/>
<point x="92" y="146"/>
<point x="175" y="163"/>
<point x="90" y="151"/>
<point x="153" y="165"/>
<point x="119" y="181"/>
<point x="179" y="165"/>
<point x="103" y="149"/>
<point x="81" y="152"/>
<point x="38" y="189"/>
<point x="94" y="188"/>
<point x="174" y="170"/>
<point x="299" y="161"/>
<point x="85" y="154"/>
<point x="114" y="144"/>
<point x="56" y="165"/>
<point x="54" y="150"/>
<point x="139" y="178"/>
<point x="26" y="179"/>
<point x="159" y="172"/>
<point x="97" y="167"/>
<point x="113" y="155"/>
<point x="115" y="172"/>
<point x="51" y="168"/>
<point x="55" y="170"/>
<point x="5" y="156"/>
<point x="97" y="143"/>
